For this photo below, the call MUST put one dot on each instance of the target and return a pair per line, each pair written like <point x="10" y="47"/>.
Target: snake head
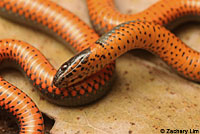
<point x="72" y="71"/>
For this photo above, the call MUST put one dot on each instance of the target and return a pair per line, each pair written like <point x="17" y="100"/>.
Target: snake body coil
<point x="104" y="16"/>
<point x="68" y="87"/>
<point x="113" y="44"/>
<point x="62" y="24"/>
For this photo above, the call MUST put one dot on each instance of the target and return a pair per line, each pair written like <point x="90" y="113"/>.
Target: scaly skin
<point x="151" y="37"/>
<point x="60" y="23"/>
<point x="66" y="27"/>
<point x="104" y="16"/>
<point x="13" y="99"/>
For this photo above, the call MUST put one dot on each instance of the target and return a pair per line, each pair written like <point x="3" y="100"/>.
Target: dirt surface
<point x="147" y="95"/>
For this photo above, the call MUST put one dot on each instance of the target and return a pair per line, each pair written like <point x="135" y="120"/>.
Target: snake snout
<point x="58" y="78"/>
<point x="70" y="73"/>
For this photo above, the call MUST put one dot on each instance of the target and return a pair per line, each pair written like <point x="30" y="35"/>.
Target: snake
<point x="125" y="36"/>
<point x="69" y="86"/>
<point x="168" y="13"/>
<point x="68" y="29"/>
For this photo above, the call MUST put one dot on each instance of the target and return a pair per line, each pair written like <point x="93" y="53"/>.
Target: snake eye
<point x="64" y="67"/>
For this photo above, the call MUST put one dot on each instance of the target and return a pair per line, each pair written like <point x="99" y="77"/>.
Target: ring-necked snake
<point x="66" y="27"/>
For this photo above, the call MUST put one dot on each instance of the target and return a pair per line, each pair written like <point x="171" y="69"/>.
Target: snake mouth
<point x="70" y="72"/>
<point x="56" y="80"/>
